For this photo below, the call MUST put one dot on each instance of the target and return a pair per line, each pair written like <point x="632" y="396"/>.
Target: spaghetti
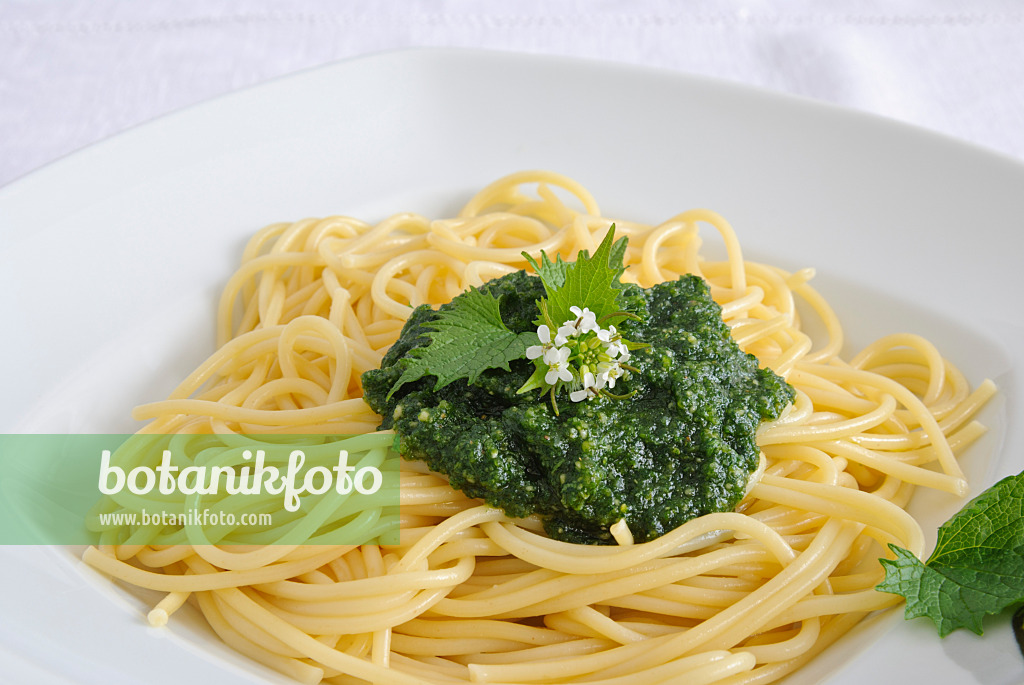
<point x="471" y="596"/>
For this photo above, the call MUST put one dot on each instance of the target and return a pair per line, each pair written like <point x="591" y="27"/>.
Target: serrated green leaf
<point x="591" y="282"/>
<point x="977" y="567"/>
<point x="468" y="338"/>
<point x="617" y="256"/>
<point x="552" y="273"/>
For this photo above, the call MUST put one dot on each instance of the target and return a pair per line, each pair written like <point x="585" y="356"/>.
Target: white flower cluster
<point x="581" y="353"/>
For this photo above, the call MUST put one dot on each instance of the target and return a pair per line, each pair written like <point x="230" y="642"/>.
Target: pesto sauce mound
<point x="680" y="447"/>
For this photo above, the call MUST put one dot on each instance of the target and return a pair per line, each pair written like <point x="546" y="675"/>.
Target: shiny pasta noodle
<point x="469" y="595"/>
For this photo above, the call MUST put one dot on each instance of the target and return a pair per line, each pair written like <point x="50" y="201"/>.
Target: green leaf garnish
<point x="468" y="338"/>
<point x="591" y="282"/>
<point x="576" y="352"/>
<point x="977" y="567"/>
<point x="552" y="273"/>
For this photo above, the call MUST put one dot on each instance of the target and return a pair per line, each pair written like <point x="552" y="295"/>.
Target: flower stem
<point x="554" y="403"/>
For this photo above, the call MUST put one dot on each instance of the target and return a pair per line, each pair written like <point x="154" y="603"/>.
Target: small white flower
<point x="566" y="331"/>
<point x="610" y="372"/>
<point x="553" y="355"/>
<point x="558" y="366"/>
<point x="617" y="350"/>
<point x="534" y="351"/>
<point x="605" y="335"/>
<point x="590" y="389"/>
<point x="586" y="320"/>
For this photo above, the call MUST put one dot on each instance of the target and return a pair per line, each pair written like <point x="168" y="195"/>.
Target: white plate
<point x="111" y="260"/>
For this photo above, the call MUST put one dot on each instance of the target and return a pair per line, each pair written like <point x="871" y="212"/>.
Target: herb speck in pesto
<point x="677" y="443"/>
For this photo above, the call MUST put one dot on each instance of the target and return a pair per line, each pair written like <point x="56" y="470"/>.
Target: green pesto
<point x="682" y="446"/>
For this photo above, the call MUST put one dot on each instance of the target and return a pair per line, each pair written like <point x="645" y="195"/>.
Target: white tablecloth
<point x="76" y="71"/>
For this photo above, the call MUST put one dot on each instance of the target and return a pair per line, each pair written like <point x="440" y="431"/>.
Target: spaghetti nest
<point x="471" y="595"/>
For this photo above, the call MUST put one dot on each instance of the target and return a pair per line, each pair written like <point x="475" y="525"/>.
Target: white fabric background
<point x="76" y="71"/>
